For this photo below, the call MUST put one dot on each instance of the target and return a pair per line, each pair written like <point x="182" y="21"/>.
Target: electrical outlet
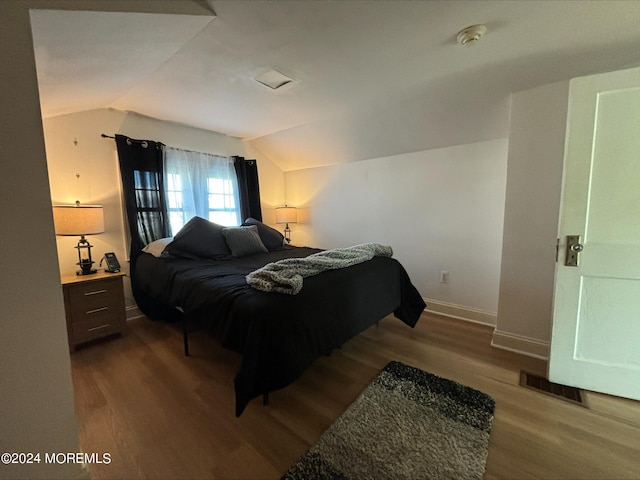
<point x="444" y="276"/>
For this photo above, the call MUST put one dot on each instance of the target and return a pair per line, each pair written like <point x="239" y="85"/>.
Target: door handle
<point x="574" y="247"/>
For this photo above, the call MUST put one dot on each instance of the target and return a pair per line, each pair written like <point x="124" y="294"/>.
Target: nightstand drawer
<point x="94" y="293"/>
<point x="94" y="306"/>
<point x="96" y="327"/>
<point x="94" y="310"/>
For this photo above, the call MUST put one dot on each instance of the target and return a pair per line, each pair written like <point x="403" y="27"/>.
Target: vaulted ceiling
<point x="370" y="78"/>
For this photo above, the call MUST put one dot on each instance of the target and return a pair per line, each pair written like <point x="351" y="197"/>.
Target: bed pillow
<point x="199" y="238"/>
<point x="244" y="240"/>
<point x="156" y="247"/>
<point x="271" y="238"/>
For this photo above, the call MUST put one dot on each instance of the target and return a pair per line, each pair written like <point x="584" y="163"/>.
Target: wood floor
<point x="161" y="415"/>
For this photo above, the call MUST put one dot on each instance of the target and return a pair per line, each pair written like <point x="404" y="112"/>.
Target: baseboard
<point x="461" y="312"/>
<point x="133" y="312"/>
<point x="512" y="342"/>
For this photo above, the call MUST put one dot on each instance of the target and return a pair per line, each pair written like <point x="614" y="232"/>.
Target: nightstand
<point x="94" y="306"/>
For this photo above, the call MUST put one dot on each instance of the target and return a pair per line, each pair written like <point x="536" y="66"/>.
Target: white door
<point x="595" y="342"/>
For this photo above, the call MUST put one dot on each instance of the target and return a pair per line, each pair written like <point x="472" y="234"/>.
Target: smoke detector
<point x="471" y="35"/>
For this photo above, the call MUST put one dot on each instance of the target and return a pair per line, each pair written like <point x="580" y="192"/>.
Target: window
<point x="222" y="201"/>
<point x="173" y="190"/>
<point x="200" y="184"/>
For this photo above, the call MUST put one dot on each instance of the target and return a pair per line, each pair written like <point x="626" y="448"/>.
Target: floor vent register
<point x="540" y="384"/>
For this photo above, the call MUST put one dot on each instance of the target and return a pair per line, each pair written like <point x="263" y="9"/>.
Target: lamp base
<point x="86" y="265"/>
<point x="287" y="234"/>
<point x="86" y="272"/>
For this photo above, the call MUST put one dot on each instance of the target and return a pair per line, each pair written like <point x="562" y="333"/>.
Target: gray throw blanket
<point x="286" y="276"/>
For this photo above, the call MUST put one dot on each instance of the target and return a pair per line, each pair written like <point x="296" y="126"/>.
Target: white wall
<point x="84" y="166"/>
<point x="37" y="404"/>
<point x="534" y="182"/>
<point x="439" y="209"/>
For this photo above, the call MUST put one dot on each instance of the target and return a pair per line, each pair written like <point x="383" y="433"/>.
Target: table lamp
<point x="80" y="220"/>
<point x="287" y="215"/>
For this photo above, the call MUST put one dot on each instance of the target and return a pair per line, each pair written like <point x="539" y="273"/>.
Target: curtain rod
<point x="144" y="143"/>
<point x="104" y="135"/>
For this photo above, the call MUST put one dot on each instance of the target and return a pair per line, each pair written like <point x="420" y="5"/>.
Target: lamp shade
<point x="286" y="214"/>
<point x="78" y="219"/>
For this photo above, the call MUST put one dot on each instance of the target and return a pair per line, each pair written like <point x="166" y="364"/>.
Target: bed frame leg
<point x="265" y="398"/>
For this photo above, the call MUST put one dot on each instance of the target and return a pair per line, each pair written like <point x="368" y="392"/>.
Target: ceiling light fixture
<point x="471" y="35"/>
<point x="273" y="79"/>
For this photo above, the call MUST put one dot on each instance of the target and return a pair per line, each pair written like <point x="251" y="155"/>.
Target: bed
<point x="278" y="335"/>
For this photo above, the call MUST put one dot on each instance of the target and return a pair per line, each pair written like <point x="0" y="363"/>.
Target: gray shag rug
<point x="407" y="424"/>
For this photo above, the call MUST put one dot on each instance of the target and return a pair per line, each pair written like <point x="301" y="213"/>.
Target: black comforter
<point x="278" y="335"/>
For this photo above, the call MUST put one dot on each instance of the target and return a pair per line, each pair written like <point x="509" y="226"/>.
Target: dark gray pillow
<point x="199" y="238"/>
<point x="271" y="237"/>
<point x="244" y="240"/>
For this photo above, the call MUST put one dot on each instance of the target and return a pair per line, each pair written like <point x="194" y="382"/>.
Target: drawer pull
<point x="95" y="292"/>
<point x="96" y="310"/>
<point x="99" y="328"/>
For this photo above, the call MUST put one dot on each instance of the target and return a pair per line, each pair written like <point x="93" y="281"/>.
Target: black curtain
<point x="141" y="168"/>
<point x="249" y="188"/>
